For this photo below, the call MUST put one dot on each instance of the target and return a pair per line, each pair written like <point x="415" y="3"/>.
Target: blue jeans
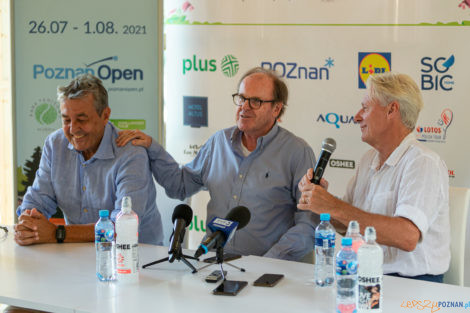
<point x="427" y="277"/>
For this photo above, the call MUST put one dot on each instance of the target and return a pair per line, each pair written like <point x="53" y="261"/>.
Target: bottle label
<point x="127" y="258"/>
<point x="325" y="241"/>
<point x="101" y="235"/>
<point x="370" y="288"/>
<point x="343" y="267"/>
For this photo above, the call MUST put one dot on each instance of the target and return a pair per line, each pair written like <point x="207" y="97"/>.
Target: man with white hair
<point x="401" y="187"/>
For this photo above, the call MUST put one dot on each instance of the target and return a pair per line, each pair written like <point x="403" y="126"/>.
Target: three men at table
<point x="83" y="171"/>
<point x="400" y="187"/>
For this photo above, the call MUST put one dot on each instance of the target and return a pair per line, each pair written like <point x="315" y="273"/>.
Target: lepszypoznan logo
<point x="437" y="132"/>
<point x="373" y="63"/>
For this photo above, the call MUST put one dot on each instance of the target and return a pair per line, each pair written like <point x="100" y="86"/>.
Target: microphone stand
<point x="179" y="256"/>
<point x="219" y="259"/>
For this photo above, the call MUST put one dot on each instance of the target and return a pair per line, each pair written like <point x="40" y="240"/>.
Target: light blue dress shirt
<point x="265" y="182"/>
<point x="81" y="188"/>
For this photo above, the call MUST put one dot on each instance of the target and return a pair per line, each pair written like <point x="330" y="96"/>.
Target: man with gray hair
<point x="83" y="171"/>
<point x="401" y="187"/>
<point x="255" y="163"/>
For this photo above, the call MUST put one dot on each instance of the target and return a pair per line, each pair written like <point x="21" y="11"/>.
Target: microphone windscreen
<point x="328" y="144"/>
<point x="239" y="214"/>
<point x="183" y="211"/>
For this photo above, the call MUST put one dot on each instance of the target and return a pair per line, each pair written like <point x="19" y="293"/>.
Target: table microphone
<point x="224" y="229"/>
<point x="327" y="148"/>
<point x="181" y="218"/>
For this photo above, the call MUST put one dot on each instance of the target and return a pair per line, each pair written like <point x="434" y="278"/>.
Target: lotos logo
<point x="293" y="70"/>
<point x="229" y="65"/>
<point x="104" y="71"/>
<point x="434" y="73"/>
<point x="373" y="63"/>
<point x="451" y="173"/>
<point x="438" y="132"/>
<point x="336" y="119"/>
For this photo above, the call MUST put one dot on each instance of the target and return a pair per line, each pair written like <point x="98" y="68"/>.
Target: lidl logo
<point x="373" y="63"/>
<point x="229" y="65"/>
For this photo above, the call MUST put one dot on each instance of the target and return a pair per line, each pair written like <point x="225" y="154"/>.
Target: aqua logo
<point x="373" y="63"/>
<point x="294" y="70"/>
<point x="45" y="111"/>
<point x="336" y="119"/>
<point x="229" y="65"/>
<point x="435" y="73"/>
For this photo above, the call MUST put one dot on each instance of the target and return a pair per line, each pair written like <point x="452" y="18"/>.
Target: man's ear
<point x="394" y="107"/>
<point x="106" y="114"/>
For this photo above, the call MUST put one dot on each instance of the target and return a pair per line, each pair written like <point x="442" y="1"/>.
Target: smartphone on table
<point x="229" y="287"/>
<point x="268" y="280"/>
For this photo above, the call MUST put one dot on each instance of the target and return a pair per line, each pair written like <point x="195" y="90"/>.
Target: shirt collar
<point x="396" y="155"/>
<point x="105" y="149"/>
<point x="236" y="136"/>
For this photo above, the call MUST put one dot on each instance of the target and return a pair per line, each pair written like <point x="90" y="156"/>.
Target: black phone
<point x="229" y="287"/>
<point x="227" y="257"/>
<point x="215" y="276"/>
<point x="268" y="280"/>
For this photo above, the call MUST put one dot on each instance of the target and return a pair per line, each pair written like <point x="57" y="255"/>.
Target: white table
<point x="61" y="278"/>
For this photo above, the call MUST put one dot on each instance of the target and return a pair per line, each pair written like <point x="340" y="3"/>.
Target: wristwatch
<point x="60" y="234"/>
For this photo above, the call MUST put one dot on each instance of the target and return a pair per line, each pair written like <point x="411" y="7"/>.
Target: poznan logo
<point x="229" y="65"/>
<point x="373" y="63"/>
<point x="45" y="111"/>
<point x="294" y="70"/>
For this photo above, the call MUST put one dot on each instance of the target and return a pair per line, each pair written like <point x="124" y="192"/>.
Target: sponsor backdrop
<point x="57" y="40"/>
<point x="325" y="50"/>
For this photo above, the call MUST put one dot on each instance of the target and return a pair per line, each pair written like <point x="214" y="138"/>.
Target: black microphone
<point x="327" y="148"/>
<point x="223" y="230"/>
<point x="181" y="218"/>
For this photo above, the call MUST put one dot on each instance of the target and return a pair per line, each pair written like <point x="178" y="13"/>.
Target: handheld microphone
<point x="181" y="218"/>
<point x="327" y="148"/>
<point x="224" y="229"/>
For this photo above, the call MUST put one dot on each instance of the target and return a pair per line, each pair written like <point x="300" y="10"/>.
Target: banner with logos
<point x="325" y="50"/>
<point x="56" y="40"/>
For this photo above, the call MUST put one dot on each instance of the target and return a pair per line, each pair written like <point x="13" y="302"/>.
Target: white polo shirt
<point x="412" y="183"/>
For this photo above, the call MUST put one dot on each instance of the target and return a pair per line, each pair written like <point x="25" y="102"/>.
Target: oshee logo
<point x="350" y="164"/>
<point x="294" y="70"/>
<point x="438" y="132"/>
<point x="373" y="63"/>
<point x="104" y="72"/>
<point x="434" y="73"/>
<point x="229" y="65"/>
<point x="336" y="119"/>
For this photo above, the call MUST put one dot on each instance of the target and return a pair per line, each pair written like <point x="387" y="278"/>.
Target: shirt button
<point x="83" y="164"/>
<point x="241" y="176"/>
<point x="235" y="196"/>
<point x="84" y="188"/>
<point x="85" y="210"/>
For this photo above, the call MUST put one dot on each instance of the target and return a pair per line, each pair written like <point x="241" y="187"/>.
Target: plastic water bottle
<point x="370" y="259"/>
<point x="354" y="233"/>
<point x="346" y="278"/>
<point x="324" y="252"/>
<point x="104" y="245"/>
<point x="127" y="237"/>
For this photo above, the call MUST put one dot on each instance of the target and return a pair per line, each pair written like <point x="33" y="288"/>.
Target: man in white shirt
<point x="401" y="187"/>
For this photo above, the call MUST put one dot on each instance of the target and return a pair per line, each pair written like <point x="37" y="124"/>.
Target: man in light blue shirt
<point x="256" y="164"/>
<point x="83" y="171"/>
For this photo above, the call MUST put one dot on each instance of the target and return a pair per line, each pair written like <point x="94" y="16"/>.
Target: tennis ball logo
<point x="229" y="65"/>
<point x="45" y="114"/>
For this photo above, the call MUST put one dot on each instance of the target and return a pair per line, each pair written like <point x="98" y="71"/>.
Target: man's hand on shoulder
<point x="33" y="227"/>
<point x="137" y="137"/>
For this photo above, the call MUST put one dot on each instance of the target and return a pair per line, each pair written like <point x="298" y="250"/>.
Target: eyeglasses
<point x="254" y="103"/>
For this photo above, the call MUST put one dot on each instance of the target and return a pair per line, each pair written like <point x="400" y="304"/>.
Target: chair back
<point x="459" y="203"/>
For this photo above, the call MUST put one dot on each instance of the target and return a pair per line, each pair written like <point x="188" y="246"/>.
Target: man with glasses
<point x="256" y="164"/>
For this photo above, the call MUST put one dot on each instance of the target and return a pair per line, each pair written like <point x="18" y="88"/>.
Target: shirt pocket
<point x="383" y="203"/>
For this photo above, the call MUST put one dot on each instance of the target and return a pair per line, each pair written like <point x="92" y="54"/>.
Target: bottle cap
<point x="346" y="241"/>
<point x="370" y="234"/>
<point x="126" y="204"/>
<point x="104" y="213"/>
<point x="353" y="228"/>
<point x="324" y="217"/>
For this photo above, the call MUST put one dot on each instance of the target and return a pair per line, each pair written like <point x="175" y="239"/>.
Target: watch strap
<point x="60" y="234"/>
